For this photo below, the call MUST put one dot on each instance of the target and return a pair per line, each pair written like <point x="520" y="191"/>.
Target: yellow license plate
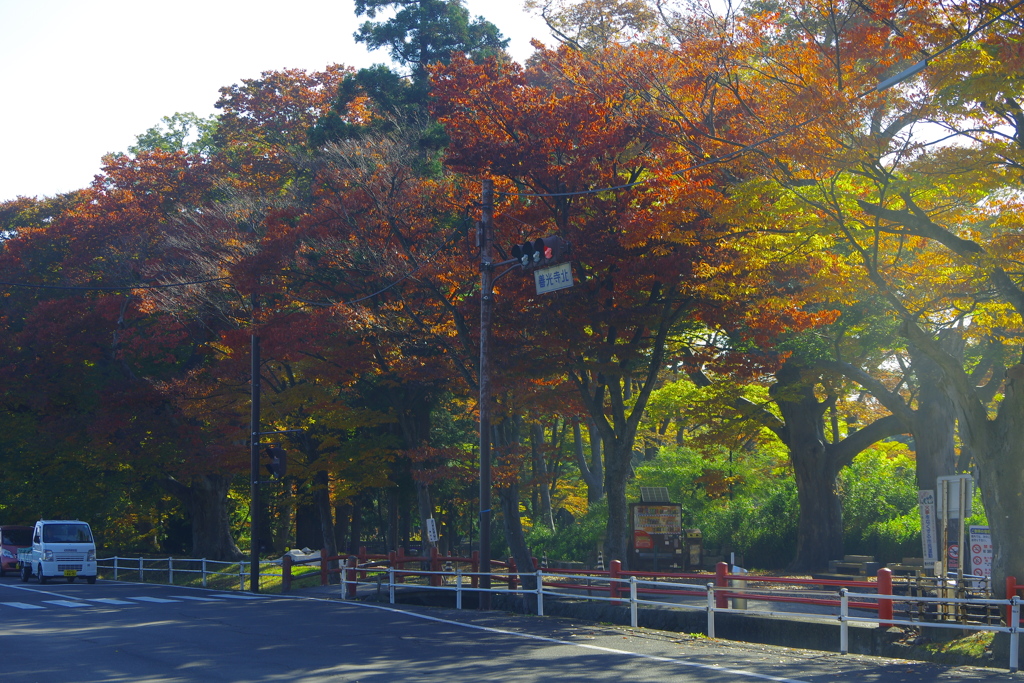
<point x="70" y="572"/>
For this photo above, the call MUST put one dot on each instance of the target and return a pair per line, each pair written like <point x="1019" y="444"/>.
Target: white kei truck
<point x="61" y="548"/>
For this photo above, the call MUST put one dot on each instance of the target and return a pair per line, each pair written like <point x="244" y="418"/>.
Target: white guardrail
<point x="630" y="589"/>
<point x="168" y="567"/>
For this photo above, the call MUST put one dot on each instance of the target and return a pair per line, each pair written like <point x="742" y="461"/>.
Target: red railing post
<point x="286" y="573"/>
<point x="1011" y="590"/>
<point x="614" y="569"/>
<point x="884" y="588"/>
<point x="435" y="566"/>
<point x="323" y="566"/>
<point x="474" y="568"/>
<point x="396" y="563"/>
<point x="721" y="583"/>
<point x="350" y="576"/>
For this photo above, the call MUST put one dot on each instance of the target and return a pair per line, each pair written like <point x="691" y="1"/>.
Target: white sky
<point x="82" y="78"/>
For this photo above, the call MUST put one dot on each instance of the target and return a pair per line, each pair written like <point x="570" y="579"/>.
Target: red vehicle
<point x="11" y="538"/>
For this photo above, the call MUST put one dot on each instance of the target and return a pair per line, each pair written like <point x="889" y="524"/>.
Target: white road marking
<point x="598" y="648"/>
<point x="66" y="603"/>
<point x="241" y="596"/>
<point x="146" y="598"/>
<point x="22" y="605"/>
<point x="110" y="601"/>
<point x="193" y="597"/>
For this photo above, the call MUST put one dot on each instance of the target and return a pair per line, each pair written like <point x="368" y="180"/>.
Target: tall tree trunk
<point x="933" y="424"/>
<point x="592" y="472"/>
<point x="817" y="463"/>
<point x="322" y="502"/>
<point x="426" y="510"/>
<point x="356" y="532"/>
<point x="342" y="528"/>
<point x="541" y="474"/>
<point x="307" y="527"/>
<point x="206" y="499"/>
<point x="618" y="470"/>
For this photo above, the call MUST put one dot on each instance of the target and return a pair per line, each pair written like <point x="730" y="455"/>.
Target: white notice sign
<point x="929" y="541"/>
<point x="553" y="278"/>
<point x="432" y="530"/>
<point x="980" y="551"/>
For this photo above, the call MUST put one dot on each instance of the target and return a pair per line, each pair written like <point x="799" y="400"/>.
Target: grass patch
<point x="975" y="646"/>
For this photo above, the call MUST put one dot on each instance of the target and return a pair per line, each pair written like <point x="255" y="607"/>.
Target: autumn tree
<point x="586" y="157"/>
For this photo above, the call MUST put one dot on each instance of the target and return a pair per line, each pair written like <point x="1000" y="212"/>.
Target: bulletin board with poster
<point x="656" y="536"/>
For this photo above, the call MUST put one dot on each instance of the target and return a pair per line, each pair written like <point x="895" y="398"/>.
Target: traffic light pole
<point x="254" y="457"/>
<point x="486" y="234"/>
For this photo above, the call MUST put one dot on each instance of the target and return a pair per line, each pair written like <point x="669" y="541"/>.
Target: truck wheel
<point x="90" y="579"/>
<point x="26" y="573"/>
<point x="39" y="575"/>
<point x="71" y="579"/>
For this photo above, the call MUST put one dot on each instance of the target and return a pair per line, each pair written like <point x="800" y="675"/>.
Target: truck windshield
<point x="66" y="533"/>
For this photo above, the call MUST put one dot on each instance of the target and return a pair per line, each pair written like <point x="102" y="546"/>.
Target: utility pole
<point x="486" y="237"/>
<point x="254" y="456"/>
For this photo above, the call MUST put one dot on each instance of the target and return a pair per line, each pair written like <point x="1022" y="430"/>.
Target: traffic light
<point x="278" y="464"/>
<point x="541" y="252"/>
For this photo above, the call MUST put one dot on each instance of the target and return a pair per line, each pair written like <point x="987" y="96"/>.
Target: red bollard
<point x="323" y="566"/>
<point x="435" y="566"/>
<point x="884" y="588"/>
<point x="721" y="583"/>
<point x="614" y="569"/>
<point x="286" y="573"/>
<point x="474" y="568"/>
<point x="1011" y="590"/>
<point x="512" y="576"/>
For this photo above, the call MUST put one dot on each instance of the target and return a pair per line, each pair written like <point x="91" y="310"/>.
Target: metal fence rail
<point x="629" y="590"/>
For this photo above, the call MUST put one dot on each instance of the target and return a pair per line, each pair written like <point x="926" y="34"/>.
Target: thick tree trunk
<point x="509" y="498"/>
<point x="426" y="510"/>
<point x="322" y="503"/>
<point x="820" y="526"/>
<point x="592" y="472"/>
<point x="540" y="471"/>
<point x="356" y="532"/>
<point x="206" y="500"/>
<point x="307" y="527"/>
<point x="618" y="469"/>
<point x="933" y="424"/>
<point x="342" y="515"/>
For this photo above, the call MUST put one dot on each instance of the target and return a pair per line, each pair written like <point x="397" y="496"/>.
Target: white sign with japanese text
<point x="929" y="540"/>
<point x="553" y="278"/>
<point x="980" y="550"/>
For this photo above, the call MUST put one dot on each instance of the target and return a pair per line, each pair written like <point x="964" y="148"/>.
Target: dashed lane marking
<point x="66" y="603"/>
<point x="22" y="605"/>
<point x="110" y="601"/>
<point x="196" y="598"/>
<point x="146" y="598"/>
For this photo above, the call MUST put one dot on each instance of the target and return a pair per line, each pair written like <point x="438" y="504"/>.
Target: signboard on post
<point x="929" y="540"/>
<point x="553" y="278"/>
<point x="980" y="547"/>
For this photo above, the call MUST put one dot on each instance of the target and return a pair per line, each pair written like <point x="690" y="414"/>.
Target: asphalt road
<point x="113" y="632"/>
